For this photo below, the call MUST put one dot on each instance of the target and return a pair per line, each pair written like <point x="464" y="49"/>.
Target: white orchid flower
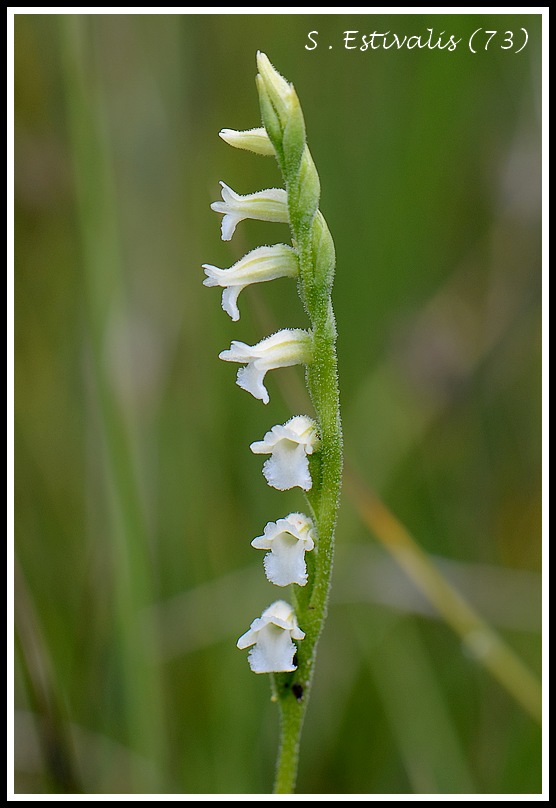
<point x="254" y="140"/>
<point x="270" y="205"/>
<point x="288" y="540"/>
<point x="283" y="349"/>
<point x="289" y="445"/>
<point x="261" y="264"/>
<point x="271" y="636"/>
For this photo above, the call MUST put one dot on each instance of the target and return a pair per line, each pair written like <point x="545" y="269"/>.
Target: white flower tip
<point x="227" y="194"/>
<point x="212" y="275"/>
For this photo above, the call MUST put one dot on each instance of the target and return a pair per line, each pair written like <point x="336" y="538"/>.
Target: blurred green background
<point x="136" y="494"/>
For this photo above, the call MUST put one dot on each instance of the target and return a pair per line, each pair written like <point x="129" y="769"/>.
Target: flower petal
<point x="288" y="467"/>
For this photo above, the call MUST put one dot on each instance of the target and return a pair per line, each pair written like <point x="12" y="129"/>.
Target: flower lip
<point x="290" y="346"/>
<point x="270" y="205"/>
<point x="259" y="265"/>
<point x="289" y="445"/>
<point x="271" y="634"/>
<point x="288" y="540"/>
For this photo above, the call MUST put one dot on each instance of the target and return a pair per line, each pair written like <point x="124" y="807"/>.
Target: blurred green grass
<point x="136" y="495"/>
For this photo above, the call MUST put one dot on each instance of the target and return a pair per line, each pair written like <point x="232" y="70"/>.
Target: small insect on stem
<point x="297" y="691"/>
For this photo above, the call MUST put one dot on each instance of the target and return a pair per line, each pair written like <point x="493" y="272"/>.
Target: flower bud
<point x="254" y="140"/>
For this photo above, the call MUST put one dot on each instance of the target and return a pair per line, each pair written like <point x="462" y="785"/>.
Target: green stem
<point x="311" y="602"/>
<point x="292" y="714"/>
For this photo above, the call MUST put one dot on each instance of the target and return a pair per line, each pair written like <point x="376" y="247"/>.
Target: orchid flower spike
<point x="271" y="634"/>
<point x="270" y="205"/>
<point x="288" y="540"/>
<point x="283" y="349"/>
<point x="261" y="264"/>
<point x="289" y="445"/>
<point x="253" y="140"/>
